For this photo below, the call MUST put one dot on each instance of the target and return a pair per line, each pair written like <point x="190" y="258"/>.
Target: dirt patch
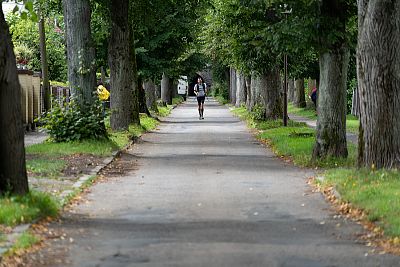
<point x="124" y="164"/>
<point x="81" y="164"/>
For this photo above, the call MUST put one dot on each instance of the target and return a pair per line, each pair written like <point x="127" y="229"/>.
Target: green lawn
<point x="352" y="122"/>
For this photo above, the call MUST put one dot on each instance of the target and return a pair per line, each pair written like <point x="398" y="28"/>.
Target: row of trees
<point x="138" y="41"/>
<point x="251" y="37"/>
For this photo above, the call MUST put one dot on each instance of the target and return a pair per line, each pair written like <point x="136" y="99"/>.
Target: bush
<point x="258" y="113"/>
<point x="69" y="122"/>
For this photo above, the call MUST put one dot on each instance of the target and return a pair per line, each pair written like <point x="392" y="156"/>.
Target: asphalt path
<point x="207" y="193"/>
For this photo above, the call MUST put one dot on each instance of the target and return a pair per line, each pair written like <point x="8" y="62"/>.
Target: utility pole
<point x="285" y="87"/>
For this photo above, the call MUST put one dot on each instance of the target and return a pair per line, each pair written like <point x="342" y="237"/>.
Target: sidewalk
<point x="351" y="137"/>
<point x="35" y="137"/>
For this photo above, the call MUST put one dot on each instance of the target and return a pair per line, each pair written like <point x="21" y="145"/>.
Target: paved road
<point x="206" y="193"/>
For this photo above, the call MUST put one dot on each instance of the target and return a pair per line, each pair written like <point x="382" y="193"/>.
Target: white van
<point x="183" y="86"/>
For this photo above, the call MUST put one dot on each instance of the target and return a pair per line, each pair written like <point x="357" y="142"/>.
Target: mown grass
<point x="44" y="159"/>
<point x="352" y="122"/>
<point x="23" y="209"/>
<point x="377" y="192"/>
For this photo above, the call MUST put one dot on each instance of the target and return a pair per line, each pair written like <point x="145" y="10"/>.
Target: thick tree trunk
<point x="151" y="98"/>
<point x="121" y="74"/>
<point x="80" y="50"/>
<point x="271" y="89"/>
<point x="331" y="105"/>
<point x="378" y="69"/>
<point x="291" y="89"/>
<point x="13" y="177"/>
<point x="240" y="89"/>
<point x="233" y="87"/>
<point x="299" y="94"/>
<point x="166" y="94"/>
<point x="44" y="64"/>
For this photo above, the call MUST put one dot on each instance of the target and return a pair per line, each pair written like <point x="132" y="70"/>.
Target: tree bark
<point x="248" y="92"/>
<point x="135" y="116"/>
<point x="270" y="91"/>
<point x="80" y="50"/>
<point x="255" y="88"/>
<point x="151" y="98"/>
<point x="44" y="63"/>
<point x="299" y="94"/>
<point x="291" y="90"/>
<point x="13" y="177"/>
<point x="378" y="70"/>
<point x="103" y="74"/>
<point x="331" y="105"/>
<point x="120" y="59"/>
<point x="166" y="95"/>
<point x="240" y="89"/>
<point x="333" y="61"/>
<point x="233" y="87"/>
<point x="142" y="99"/>
<point x="355" y="102"/>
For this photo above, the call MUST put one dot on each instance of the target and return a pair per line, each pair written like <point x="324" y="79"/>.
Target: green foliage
<point x="25" y="33"/>
<point x="23" y="209"/>
<point x="71" y="122"/>
<point x="258" y="113"/>
<point x="376" y="192"/>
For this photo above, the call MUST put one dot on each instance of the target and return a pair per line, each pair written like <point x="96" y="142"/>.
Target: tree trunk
<point x="331" y="101"/>
<point x="248" y="92"/>
<point x="121" y="74"/>
<point x="299" y="94"/>
<point x="331" y="105"/>
<point x="103" y="74"/>
<point x="255" y="88"/>
<point x="378" y="61"/>
<point x="233" y="87"/>
<point x="166" y="95"/>
<point x="355" y="102"/>
<point x="150" y="91"/>
<point x="13" y="177"/>
<point x="240" y="89"/>
<point x="142" y="99"/>
<point x="270" y="91"/>
<point x="80" y="50"/>
<point x="291" y="90"/>
<point x="135" y="118"/>
<point x="44" y="64"/>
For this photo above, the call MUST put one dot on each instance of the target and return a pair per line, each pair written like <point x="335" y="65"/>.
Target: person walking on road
<point x="200" y="89"/>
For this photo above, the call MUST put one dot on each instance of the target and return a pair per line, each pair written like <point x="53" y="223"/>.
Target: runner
<point x="200" y="89"/>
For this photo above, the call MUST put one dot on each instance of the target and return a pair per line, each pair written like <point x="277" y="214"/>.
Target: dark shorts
<point x="200" y="99"/>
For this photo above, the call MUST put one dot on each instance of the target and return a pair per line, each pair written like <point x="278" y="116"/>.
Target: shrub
<point x="69" y="122"/>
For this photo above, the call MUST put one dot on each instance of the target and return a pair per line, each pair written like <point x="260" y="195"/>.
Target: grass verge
<point x="375" y="192"/>
<point x="24" y="241"/>
<point x="24" y="209"/>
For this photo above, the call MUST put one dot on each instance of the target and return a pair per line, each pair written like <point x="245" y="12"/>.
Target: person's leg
<point x="202" y="108"/>
<point x="199" y="106"/>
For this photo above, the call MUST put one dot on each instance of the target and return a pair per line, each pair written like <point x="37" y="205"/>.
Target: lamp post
<point x="285" y="87"/>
